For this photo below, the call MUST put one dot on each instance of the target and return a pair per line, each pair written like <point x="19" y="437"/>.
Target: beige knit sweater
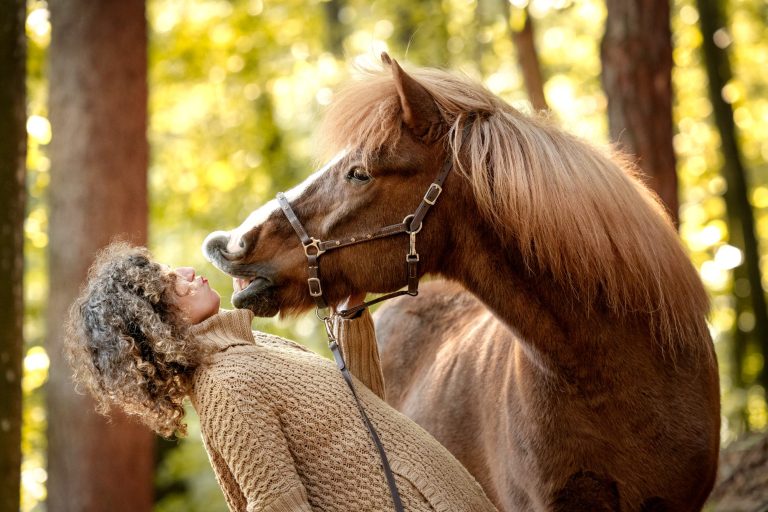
<point x="283" y="433"/>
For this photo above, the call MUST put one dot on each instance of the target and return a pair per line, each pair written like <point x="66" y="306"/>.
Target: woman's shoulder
<point x="263" y="360"/>
<point x="228" y="376"/>
<point x="229" y="368"/>
<point x="253" y="376"/>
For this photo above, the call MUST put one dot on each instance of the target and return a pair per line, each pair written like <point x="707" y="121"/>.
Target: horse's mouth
<point x="256" y="294"/>
<point x="252" y="289"/>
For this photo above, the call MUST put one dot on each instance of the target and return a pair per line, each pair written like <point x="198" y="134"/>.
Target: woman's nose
<point x="187" y="273"/>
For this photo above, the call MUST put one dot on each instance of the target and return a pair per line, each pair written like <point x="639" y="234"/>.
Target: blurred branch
<point x="12" y="196"/>
<point x="527" y="57"/>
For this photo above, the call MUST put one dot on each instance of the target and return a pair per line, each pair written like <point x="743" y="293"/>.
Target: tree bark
<point x="740" y="215"/>
<point x="528" y="59"/>
<point x="636" y="53"/>
<point x="98" y="189"/>
<point x="13" y="151"/>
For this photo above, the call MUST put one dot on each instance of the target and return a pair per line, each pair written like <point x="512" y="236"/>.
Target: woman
<point x="279" y="424"/>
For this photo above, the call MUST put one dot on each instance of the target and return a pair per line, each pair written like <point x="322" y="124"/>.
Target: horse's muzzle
<point x="215" y="250"/>
<point x="259" y="294"/>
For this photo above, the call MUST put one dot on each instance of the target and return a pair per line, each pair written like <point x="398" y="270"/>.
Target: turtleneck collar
<point x="225" y="329"/>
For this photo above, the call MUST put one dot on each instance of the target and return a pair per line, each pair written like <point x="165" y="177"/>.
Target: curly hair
<point x="128" y="343"/>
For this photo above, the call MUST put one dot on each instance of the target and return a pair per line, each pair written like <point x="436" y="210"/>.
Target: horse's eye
<point x="358" y="175"/>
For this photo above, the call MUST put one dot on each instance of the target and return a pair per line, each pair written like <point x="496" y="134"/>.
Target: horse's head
<point x="393" y="139"/>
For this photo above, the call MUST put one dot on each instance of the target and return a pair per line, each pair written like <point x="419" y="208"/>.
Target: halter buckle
<point x="433" y="192"/>
<point x="315" y="289"/>
<point x="314" y="242"/>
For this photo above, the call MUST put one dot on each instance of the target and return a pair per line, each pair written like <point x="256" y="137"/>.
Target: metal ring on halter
<point x="314" y="242"/>
<point x="408" y="224"/>
<point x="324" y="315"/>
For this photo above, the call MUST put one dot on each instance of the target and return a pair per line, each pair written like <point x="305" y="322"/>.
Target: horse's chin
<point x="259" y="296"/>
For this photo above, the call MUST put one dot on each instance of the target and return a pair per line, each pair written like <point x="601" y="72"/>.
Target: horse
<point x="566" y="360"/>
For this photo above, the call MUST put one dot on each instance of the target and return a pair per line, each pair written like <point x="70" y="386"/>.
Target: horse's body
<point x="579" y="374"/>
<point x="540" y="440"/>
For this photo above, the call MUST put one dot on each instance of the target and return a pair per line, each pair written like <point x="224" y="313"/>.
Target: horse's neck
<point x="515" y="298"/>
<point x="537" y="308"/>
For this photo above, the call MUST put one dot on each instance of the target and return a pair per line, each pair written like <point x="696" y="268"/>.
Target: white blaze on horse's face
<point x="260" y="216"/>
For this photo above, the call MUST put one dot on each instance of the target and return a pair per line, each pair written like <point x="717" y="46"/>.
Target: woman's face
<point x="196" y="299"/>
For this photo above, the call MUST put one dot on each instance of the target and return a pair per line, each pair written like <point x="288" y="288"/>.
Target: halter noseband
<point x="411" y="225"/>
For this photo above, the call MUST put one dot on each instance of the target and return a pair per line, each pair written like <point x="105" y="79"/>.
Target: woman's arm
<point x="244" y="434"/>
<point x="357" y="338"/>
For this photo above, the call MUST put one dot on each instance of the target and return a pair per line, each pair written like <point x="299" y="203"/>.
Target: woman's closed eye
<point x="182" y="288"/>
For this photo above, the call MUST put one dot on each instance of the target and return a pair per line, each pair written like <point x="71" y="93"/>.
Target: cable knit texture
<point x="283" y="433"/>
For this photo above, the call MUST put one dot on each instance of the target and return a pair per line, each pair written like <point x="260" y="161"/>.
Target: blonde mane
<point x="576" y="212"/>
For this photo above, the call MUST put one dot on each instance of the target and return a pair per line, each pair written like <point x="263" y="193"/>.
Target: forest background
<point x="236" y="87"/>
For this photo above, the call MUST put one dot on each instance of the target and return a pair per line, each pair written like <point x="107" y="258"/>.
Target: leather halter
<point x="411" y="225"/>
<point x="314" y="248"/>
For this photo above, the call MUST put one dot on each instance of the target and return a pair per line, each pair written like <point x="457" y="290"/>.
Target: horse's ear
<point x="420" y="112"/>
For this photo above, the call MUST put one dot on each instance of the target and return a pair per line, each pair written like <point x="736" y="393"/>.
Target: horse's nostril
<point x="214" y="244"/>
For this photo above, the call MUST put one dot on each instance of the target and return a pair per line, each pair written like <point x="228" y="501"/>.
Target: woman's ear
<point x="420" y="112"/>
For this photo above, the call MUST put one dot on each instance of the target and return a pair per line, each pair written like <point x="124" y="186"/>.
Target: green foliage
<point x="702" y="213"/>
<point x="33" y="474"/>
<point x="237" y="87"/>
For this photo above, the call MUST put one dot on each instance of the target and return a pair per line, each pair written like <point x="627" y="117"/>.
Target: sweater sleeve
<point x="245" y="435"/>
<point x="357" y="338"/>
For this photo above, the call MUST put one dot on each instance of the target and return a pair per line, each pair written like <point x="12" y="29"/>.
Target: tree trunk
<point x="636" y="53"/>
<point x="13" y="151"/>
<point x="98" y="189"/>
<point x="528" y="58"/>
<point x="740" y="215"/>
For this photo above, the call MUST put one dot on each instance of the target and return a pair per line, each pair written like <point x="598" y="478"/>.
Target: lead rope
<point x="336" y="351"/>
